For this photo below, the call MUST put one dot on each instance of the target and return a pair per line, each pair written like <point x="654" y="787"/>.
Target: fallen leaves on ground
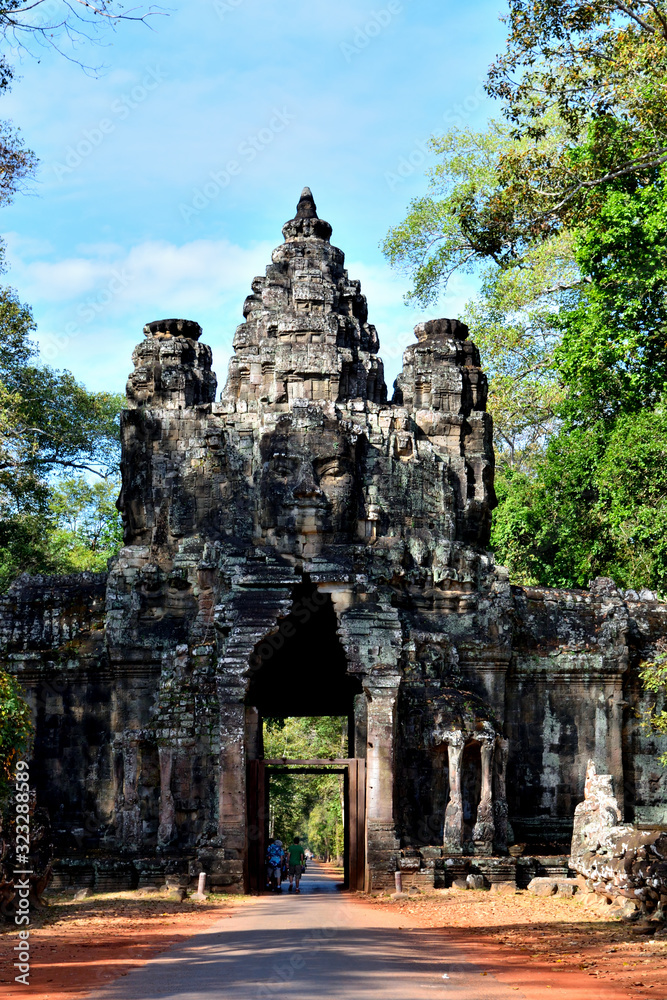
<point x="78" y="945"/>
<point x="547" y="935"/>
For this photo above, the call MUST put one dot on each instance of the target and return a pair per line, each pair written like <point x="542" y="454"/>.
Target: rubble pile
<point x="626" y="866"/>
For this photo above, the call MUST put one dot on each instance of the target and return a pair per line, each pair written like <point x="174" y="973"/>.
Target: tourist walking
<point x="274" y="863"/>
<point x="295" y="857"/>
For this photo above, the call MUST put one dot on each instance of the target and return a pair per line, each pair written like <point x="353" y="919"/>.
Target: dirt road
<point x="318" y="945"/>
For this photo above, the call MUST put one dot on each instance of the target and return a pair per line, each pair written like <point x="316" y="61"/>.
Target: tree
<point x="581" y="89"/>
<point x="88" y="529"/>
<point x="51" y="427"/>
<point x="15" y="730"/>
<point x="514" y="320"/>
<point x="560" y="209"/>
<point x="613" y="355"/>
<point x="310" y="806"/>
<point x="64" y="24"/>
<point x="600" y="67"/>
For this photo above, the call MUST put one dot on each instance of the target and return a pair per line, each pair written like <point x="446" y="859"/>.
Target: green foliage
<point x="15" y="729"/>
<point x="55" y="436"/>
<point x="543" y="529"/>
<point x="88" y="527"/>
<point x="631" y="481"/>
<point x="430" y="244"/>
<point x="654" y="678"/>
<point x="599" y="68"/>
<point x="516" y="334"/>
<point x="309" y="806"/>
<point x="613" y="356"/>
<point x="561" y="206"/>
<point x="595" y="504"/>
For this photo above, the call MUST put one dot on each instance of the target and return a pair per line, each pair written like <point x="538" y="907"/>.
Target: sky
<point x="166" y="176"/>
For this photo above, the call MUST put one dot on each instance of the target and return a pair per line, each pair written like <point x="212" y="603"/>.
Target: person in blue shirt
<point x="274" y="863"/>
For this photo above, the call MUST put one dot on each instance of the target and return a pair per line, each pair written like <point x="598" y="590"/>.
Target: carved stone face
<point x="307" y="487"/>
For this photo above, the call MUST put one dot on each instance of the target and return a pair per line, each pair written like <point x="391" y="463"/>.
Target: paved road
<point x="318" y="945"/>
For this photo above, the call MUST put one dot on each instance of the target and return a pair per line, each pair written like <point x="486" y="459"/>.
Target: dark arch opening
<point x="471" y="787"/>
<point x="302" y="669"/>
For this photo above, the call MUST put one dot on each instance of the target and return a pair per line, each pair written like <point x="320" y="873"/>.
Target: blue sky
<point x="164" y="181"/>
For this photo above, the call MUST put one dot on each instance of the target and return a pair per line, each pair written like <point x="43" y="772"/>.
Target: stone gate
<point x="304" y="530"/>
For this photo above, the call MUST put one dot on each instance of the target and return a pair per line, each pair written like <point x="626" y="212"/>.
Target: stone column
<point x="231" y="788"/>
<point x="246" y="616"/>
<point x="453" y="839"/>
<point x="167" y="828"/>
<point x="502" y="830"/>
<point x="380" y="760"/>
<point x="372" y="638"/>
<point x="382" y="844"/>
<point x="483" y="831"/>
<point x="130" y="813"/>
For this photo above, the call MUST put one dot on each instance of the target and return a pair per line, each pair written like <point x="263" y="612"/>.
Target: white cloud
<point x="186" y="276"/>
<point x="91" y="307"/>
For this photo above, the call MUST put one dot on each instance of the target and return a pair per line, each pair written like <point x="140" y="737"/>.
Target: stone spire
<point x="306" y="334"/>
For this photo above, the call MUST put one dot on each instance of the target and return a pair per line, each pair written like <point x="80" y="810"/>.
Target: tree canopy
<point x="310" y="806"/>
<point x="56" y="440"/>
<point x="559" y="207"/>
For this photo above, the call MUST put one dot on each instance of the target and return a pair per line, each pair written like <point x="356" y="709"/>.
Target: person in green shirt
<point x="295" y="857"/>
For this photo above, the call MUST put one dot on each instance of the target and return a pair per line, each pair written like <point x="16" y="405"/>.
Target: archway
<point x="301" y="671"/>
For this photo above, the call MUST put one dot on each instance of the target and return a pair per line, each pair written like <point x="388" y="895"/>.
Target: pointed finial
<point x="306" y="208"/>
<point x="306" y="224"/>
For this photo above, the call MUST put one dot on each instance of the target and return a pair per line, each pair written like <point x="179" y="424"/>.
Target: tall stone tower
<point x="306" y="334"/>
<point x="302" y="480"/>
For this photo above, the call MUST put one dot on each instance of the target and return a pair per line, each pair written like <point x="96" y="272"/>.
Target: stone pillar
<point x="372" y="638"/>
<point x="231" y="788"/>
<point x="382" y="843"/>
<point x="500" y="812"/>
<point x="453" y="839"/>
<point x="130" y="811"/>
<point x="380" y="759"/>
<point x="359" y="734"/>
<point x="483" y="831"/>
<point x="254" y="742"/>
<point x="245" y="616"/>
<point x="167" y="828"/>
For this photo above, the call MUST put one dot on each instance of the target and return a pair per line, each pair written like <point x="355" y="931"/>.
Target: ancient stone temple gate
<point x="302" y="546"/>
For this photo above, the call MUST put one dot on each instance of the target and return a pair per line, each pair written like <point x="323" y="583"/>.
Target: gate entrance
<point x="353" y="770"/>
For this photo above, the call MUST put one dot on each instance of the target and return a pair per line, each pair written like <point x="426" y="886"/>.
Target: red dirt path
<point x="81" y="945"/>
<point x="556" y="948"/>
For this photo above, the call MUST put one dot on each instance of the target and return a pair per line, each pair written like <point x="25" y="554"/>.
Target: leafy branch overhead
<point x="559" y="207"/>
